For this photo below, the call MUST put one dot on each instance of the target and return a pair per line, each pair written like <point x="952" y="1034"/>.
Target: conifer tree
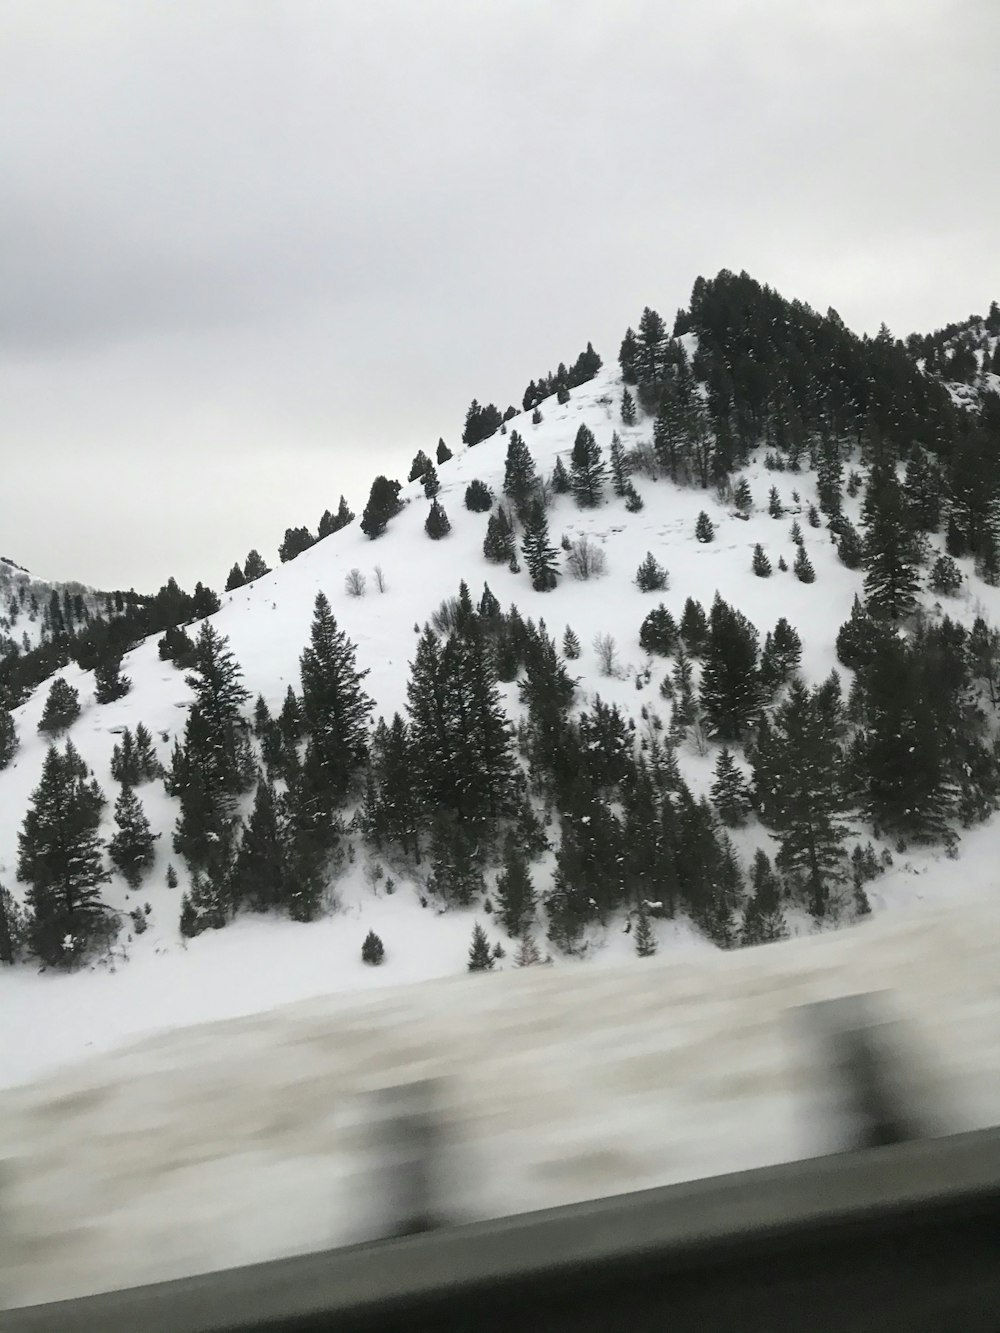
<point x="761" y="565"/>
<point x="294" y="542"/>
<point x="570" y="645"/>
<point x="633" y="500"/>
<point x="171" y="877"/>
<point x="730" y="791"/>
<point x="430" y="481"/>
<point x="520" y="478"/>
<point x="587" y="469"/>
<point x="619" y="467"/>
<point x="419" y="466"/>
<point x="802" y="567"/>
<point x="489" y="607"/>
<point x="539" y="556"/>
<point x="704" y="528"/>
<point x="945" y="580"/>
<point x="515" y="891"/>
<point x="383" y="505"/>
<point x="260" y="871"/>
<point x="331" y="523"/>
<point x="480" y="955"/>
<point x="444" y="454"/>
<point x="498" y="544"/>
<point x="730" y="685"/>
<point x="372" y="950"/>
<point x="651" y="576"/>
<point x="694" y="627"/>
<point x="628" y="408"/>
<point x="829" y="478"/>
<point x="236" y="578"/>
<point x="561" y="484"/>
<point x="13" y="928"/>
<point x="763" y="919"/>
<point x="478" y="497"/>
<point x="60" y="859"/>
<point x="125" y="766"/>
<point x="132" y="847"/>
<point x="889" y="554"/>
<point x="62" y="707"/>
<point x="255" y="567"/>
<point x="795" y="532"/>
<point x="205" y="906"/>
<point x="742" y="496"/>
<point x="645" y="940"/>
<point x="437" y="525"/>
<point x="8" y="737"/>
<point x="109" y="683"/>
<point x="658" y="632"/>
<point x="399" y="802"/>
<point x="335" y="707"/>
<point x="850" y="550"/>
<point x="774" y="506"/>
<point x="528" y="954"/>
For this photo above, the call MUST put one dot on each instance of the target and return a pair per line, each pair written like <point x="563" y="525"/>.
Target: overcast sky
<point x="253" y="252"/>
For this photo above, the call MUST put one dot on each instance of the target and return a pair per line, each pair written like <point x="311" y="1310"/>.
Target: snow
<point x="236" y="1142"/>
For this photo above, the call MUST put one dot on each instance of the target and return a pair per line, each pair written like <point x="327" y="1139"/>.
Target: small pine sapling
<point x="704" y="528"/>
<point x="761" y="565"/>
<point x="372" y="950"/>
<point x="803" y="568"/>
<point x="651" y="576"/>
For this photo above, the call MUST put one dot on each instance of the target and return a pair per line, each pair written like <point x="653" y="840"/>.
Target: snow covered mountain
<point x="155" y="979"/>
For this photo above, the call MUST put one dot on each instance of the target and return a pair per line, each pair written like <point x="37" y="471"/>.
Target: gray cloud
<point x="252" y="252"/>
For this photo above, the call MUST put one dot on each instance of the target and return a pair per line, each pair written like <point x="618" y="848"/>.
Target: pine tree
<point x="795" y="532"/>
<point x="60" y="859"/>
<point x="619" y="467"/>
<point x="171" y="877"/>
<point x="742" y="496"/>
<point x="561" y="484"/>
<point x="694" y="627"/>
<point x="480" y="955"/>
<point x="515" y="891"/>
<point x="444" y="454"/>
<point x="109" y="683"/>
<point x="730" y="791"/>
<point x="489" y="607"/>
<point x="260" y="871"/>
<point x="13" y="928"/>
<point x="850" y="550"/>
<point x="236" y="578"/>
<point x="527" y="954"/>
<point x="383" y="505"/>
<point x="478" y="497"/>
<point x="419" y="466"/>
<point x="520" y="478"/>
<point x="628" y="408"/>
<point x="633" y="500"/>
<point x="802" y="567"/>
<point x="889" y="556"/>
<point x="651" y="576"/>
<point x="132" y="847"/>
<point x="658" y="632"/>
<point x="704" y="528"/>
<point x="8" y="737"/>
<point x="587" y="469"/>
<point x="645" y="940"/>
<point x="498" y="544"/>
<point x="829" y="478"/>
<point x="294" y="542"/>
<point x="62" y="707"/>
<point x="335" y="707"/>
<point x="761" y="565"/>
<point x="774" y="505"/>
<point x="331" y="523"/>
<point x="205" y="907"/>
<point x="125" y="766"/>
<point x="372" y="950"/>
<point x="945" y="580"/>
<point x="437" y="525"/>
<point x="763" y="920"/>
<point x="430" y="481"/>
<point x="570" y="645"/>
<point x="255" y="567"/>
<point x="539" y="556"/>
<point x="730" y="685"/>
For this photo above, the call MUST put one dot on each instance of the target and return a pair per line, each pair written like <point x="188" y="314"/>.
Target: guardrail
<point x="898" y="1238"/>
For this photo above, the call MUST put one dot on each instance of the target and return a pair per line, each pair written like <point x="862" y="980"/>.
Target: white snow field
<point x="235" y="1142"/>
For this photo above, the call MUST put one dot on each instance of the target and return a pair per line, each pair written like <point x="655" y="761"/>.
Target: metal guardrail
<point x="892" y="1235"/>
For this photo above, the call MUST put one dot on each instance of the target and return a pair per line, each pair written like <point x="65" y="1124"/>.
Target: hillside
<point x="159" y="979"/>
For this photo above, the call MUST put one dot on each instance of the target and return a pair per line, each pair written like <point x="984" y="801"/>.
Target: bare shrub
<point x="642" y="460"/>
<point x="586" y="559"/>
<point x="355" y="583"/>
<point x="607" y="654"/>
<point x="446" y="617"/>
<point x="379" y="576"/>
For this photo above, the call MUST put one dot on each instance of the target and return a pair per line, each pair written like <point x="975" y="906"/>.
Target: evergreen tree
<point x="781" y="656"/>
<point x="798" y="765"/>
<point x="774" y="505"/>
<point x="628" y="408"/>
<point x="945" y="580"/>
<point x="561" y="484"/>
<point x="13" y="928"/>
<point x="520" y="478"/>
<point x="176" y="646"/>
<point x="658" y="632"/>
<point x="383" y="505"/>
<point x="478" y="497"/>
<point x="730" y="684"/>
<point x="539" y="556"/>
<point x="294" y="542"/>
<point x="125" y="766"/>
<point x="236" y="578"/>
<point x="335" y="707"/>
<point x="498" y="544"/>
<point x="444" y="454"/>
<point x="60" y="859"/>
<point x="829" y="477"/>
<point x="62" y="707"/>
<point x="255" y="567"/>
<point x="694" y="627"/>
<point x="704" y="529"/>
<point x="645" y="940"/>
<point x="8" y="737"/>
<point x="890" y="558"/>
<point x="515" y="891"/>
<point x="619" y="467"/>
<point x="528" y="954"/>
<point x="570" y="645"/>
<point x="761" y="565"/>
<point x="742" y="497"/>
<point x="730" y="791"/>
<point x="430" y="480"/>
<point x="628" y="356"/>
<point x="419" y="466"/>
<point x="331" y="523"/>
<point x="132" y="847"/>
<point x="205" y="907"/>
<point x="587" y="469"/>
<point x="651" y="576"/>
<point x="489" y="607"/>
<point x="802" y="567"/>
<point x="763" y="920"/>
<point x="850" y="550"/>
<point x="260" y="872"/>
<point x="437" y="525"/>
<point x="480" y="956"/>
<point x="372" y="950"/>
<point x="109" y="683"/>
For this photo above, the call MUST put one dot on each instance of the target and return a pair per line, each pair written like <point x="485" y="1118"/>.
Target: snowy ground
<point x="244" y="1140"/>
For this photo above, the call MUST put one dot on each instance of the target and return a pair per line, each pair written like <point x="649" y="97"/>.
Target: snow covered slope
<point x="242" y="1141"/>
<point x="256" y="964"/>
